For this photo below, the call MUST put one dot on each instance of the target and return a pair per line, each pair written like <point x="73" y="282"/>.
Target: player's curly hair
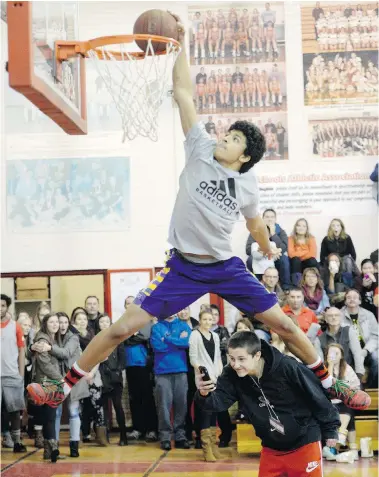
<point x="255" y="143"/>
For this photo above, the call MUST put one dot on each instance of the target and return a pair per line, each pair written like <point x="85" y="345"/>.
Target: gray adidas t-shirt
<point x="209" y="200"/>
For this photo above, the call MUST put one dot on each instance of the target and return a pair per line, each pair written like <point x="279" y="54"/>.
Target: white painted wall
<point x="155" y="168"/>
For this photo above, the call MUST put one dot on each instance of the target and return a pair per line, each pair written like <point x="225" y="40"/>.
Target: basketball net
<point x="137" y="86"/>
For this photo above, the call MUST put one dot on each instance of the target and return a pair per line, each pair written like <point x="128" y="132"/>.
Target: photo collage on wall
<point x="237" y="61"/>
<point x="340" y="66"/>
<point x="349" y="133"/>
<point x="68" y="194"/>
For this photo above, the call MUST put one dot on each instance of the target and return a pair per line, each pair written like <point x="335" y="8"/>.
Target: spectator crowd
<point x="326" y="294"/>
<point x="159" y="364"/>
<point x="330" y="298"/>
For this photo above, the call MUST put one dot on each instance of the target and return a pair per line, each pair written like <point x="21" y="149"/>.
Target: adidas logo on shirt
<point x="216" y="192"/>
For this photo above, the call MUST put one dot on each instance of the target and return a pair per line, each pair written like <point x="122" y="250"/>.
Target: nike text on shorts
<point x="306" y="460"/>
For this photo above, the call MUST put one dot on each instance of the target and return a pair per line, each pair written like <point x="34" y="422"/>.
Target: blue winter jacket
<point x="169" y="348"/>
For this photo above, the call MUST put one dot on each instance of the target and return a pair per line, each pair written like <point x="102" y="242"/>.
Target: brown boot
<point x="101" y="436"/>
<point x="215" y="450"/>
<point x="54" y="451"/>
<point x="46" y="450"/>
<point x="207" y="446"/>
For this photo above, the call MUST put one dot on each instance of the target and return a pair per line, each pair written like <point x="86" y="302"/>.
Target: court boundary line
<point x="20" y="459"/>
<point x="155" y="464"/>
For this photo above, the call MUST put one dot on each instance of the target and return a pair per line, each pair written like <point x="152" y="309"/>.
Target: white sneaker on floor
<point x="133" y="436"/>
<point x="347" y="457"/>
<point x="151" y="436"/>
<point x="355" y="453"/>
<point x="7" y="441"/>
<point x="328" y="454"/>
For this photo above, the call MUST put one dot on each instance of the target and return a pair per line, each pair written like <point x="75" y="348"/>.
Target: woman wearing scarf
<point x="315" y="296"/>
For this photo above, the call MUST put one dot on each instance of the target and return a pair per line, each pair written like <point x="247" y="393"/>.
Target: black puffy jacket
<point x="224" y="336"/>
<point x="295" y="394"/>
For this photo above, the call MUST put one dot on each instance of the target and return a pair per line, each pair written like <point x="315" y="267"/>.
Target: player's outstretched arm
<point x="183" y="88"/>
<point x="215" y="397"/>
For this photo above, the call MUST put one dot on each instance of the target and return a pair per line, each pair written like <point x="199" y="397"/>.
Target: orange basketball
<point x="155" y="22"/>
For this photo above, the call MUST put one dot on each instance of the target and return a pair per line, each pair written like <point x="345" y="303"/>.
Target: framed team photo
<point x="340" y="78"/>
<point x="335" y="26"/>
<point x="236" y="32"/>
<point x="273" y="126"/>
<point x="343" y="133"/>
<point x="238" y="69"/>
<point x="340" y="60"/>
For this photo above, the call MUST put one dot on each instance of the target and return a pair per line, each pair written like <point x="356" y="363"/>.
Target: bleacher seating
<point x="366" y="423"/>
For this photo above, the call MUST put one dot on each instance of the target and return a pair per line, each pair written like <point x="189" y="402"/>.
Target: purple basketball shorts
<point x="181" y="282"/>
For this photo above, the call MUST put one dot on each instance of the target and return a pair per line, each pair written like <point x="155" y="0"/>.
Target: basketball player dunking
<point x="217" y="184"/>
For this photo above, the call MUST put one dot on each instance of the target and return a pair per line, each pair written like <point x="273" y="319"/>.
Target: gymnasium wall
<point x="154" y="169"/>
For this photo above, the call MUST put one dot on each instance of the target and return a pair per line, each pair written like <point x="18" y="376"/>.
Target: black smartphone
<point x="203" y="370"/>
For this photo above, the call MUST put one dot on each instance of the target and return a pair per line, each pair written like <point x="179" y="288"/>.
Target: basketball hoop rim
<point x="68" y="49"/>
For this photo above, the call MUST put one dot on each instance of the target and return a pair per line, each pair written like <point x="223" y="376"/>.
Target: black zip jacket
<point x="340" y="246"/>
<point x="291" y="388"/>
<point x="83" y="340"/>
<point x="111" y="369"/>
<point x="224" y="336"/>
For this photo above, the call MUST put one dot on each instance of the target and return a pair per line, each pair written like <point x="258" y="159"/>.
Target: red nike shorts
<point x="303" y="462"/>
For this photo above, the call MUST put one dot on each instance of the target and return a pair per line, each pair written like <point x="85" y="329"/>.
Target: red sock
<point x="73" y="376"/>
<point x="321" y="371"/>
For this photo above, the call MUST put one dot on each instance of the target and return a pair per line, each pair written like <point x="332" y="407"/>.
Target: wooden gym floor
<point x="143" y="460"/>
